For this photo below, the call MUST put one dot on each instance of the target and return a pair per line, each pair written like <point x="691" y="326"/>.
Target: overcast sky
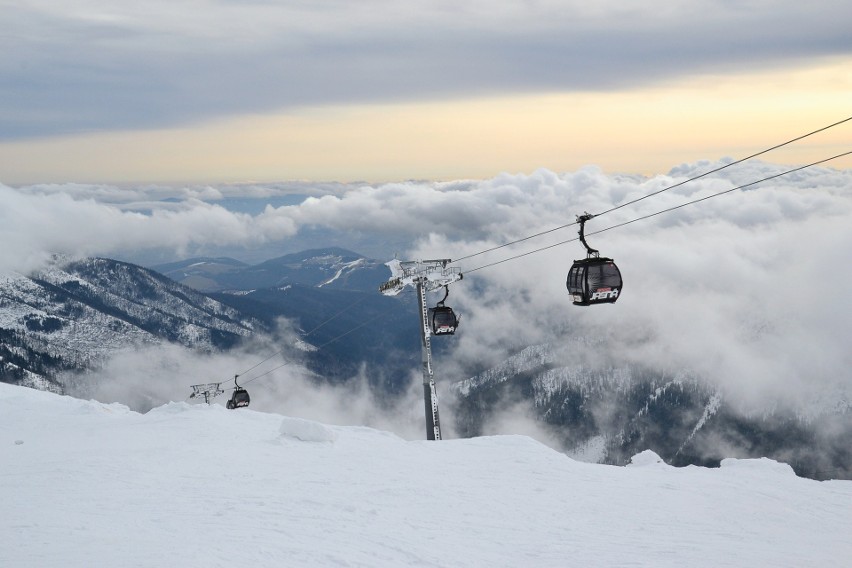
<point x="219" y="90"/>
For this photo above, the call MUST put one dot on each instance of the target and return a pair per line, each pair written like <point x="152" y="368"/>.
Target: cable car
<point x="240" y="398"/>
<point x="594" y="279"/>
<point x="442" y="319"/>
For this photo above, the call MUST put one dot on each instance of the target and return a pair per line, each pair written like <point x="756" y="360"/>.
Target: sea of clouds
<point x="747" y="289"/>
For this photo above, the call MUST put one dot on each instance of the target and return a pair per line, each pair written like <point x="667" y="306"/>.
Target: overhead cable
<point x="327" y="343"/>
<point x="720" y="168"/>
<point x="661" y="212"/>
<point x="279" y="352"/>
<point x="679" y="184"/>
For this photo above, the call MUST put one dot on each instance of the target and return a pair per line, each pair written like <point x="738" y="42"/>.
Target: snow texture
<point x="91" y="484"/>
<point x="347" y="265"/>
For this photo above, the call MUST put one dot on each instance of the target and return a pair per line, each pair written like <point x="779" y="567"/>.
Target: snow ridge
<point x="202" y="486"/>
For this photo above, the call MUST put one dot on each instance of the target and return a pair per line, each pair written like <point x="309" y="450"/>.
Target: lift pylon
<point x="425" y="276"/>
<point x="208" y="391"/>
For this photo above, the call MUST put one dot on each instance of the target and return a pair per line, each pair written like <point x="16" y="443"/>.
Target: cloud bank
<point x="747" y="289"/>
<point x="35" y="225"/>
<point x="152" y="376"/>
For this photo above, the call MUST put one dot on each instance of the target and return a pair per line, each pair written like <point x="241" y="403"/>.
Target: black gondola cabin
<point x="239" y="399"/>
<point x="443" y="320"/>
<point x="594" y="281"/>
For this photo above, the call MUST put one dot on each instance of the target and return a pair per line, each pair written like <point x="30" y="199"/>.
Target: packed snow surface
<point x="90" y="484"/>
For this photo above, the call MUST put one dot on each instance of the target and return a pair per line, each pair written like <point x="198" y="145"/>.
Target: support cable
<point x="234" y="379"/>
<point x="679" y="184"/>
<point x="719" y="169"/>
<point x="692" y="202"/>
<point x="548" y="231"/>
<point x="307" y="334"/>
<point x="324" y="345"/>
<point x="705" y="198"/>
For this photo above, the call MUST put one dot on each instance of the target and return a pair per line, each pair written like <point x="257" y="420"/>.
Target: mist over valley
<point x="717" y="347"/>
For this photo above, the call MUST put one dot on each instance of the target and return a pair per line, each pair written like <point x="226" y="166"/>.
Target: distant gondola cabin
<point x="443" y="320"/>
<point x="239" y="399"/>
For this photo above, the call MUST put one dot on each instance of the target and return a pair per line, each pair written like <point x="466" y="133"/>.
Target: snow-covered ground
<point x="87" y="484"/>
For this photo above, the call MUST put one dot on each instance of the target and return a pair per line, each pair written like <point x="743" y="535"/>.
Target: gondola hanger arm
<point x="590" y="252"/>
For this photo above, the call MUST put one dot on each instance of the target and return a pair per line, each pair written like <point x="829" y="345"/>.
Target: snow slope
<point x="88" y="484"/>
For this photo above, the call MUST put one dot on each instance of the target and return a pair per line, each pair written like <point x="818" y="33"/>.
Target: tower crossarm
<point x="433" y="274"/>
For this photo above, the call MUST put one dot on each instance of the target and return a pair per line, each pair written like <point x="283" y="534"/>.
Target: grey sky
<point x="86" y="65"/>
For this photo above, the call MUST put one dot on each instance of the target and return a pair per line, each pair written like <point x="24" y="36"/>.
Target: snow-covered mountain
<point x="86" y="484"/>
<point x="355" y="328"/>
<point x="331" y="267"/>
<point x="201" y="272"/>
<point x="327" y="293"/>
<point x="608" y="411"/>
<point x="74" y="314"/>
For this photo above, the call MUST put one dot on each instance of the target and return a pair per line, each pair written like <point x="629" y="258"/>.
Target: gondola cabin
<point x="239" y="399"/>
<point x="594" y="281"/>
<point x="443" y="320"/>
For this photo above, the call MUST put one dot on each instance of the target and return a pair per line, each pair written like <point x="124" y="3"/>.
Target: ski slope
<point x="88" y="484"/>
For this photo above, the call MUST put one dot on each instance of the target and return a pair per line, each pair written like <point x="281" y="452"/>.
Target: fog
<point x="270" y="367"/>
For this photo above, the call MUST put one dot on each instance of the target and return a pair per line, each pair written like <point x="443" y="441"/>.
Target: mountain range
<point x="332" y="268"/>
<point x="75" y="314"/>
<point x="72" y="315"/>
<point x="603" y="413"/>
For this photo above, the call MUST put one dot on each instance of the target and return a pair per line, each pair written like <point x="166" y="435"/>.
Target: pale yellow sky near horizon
<point x="645" y="131"/>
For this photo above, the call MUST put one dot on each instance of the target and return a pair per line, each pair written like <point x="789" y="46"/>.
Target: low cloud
<point x="746" y="290"/>
<point x="35" y="225"/>
<point x="152" y="376"/>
